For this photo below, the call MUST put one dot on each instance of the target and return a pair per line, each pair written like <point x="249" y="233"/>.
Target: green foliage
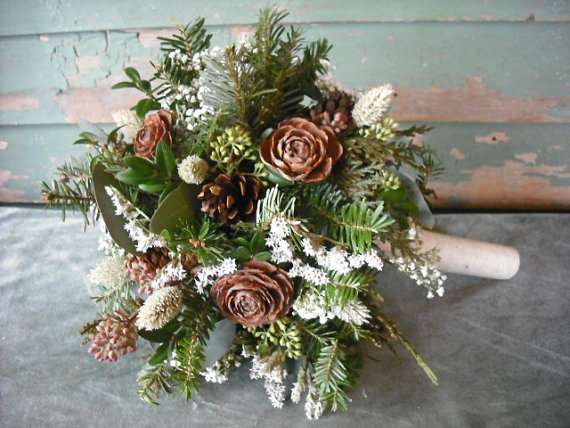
<point x="231" y="149"/>
<point x="201" y="238"/>
<point x="274" y="204"/>
<point x="259" y="85"/>
<point x="153" y="379"/>
<point x="72" y="190"/>
<point x="178" y="208"/>
<point x="189" y="362"/>
<point x="113" y="298"/>
<point x="251" y="247"/>
<point x="334" y="375"/>
<point x="158" y="177"/>
<point x="282" y="336"/>
<point x="355" y="223"/>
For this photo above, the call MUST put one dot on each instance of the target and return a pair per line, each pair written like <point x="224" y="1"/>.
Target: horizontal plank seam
<point x="562" y="20"/>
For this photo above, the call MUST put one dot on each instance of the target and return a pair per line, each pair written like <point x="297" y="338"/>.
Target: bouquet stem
<point x="470" y="257"/>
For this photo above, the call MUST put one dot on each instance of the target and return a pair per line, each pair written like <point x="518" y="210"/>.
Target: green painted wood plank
<point x="511" y="166"/>
<point x="501" y="72"/>
<point x="35" y="17"/>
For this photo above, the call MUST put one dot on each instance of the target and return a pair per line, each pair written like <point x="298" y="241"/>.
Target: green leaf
<point x="140" y="165"/>
<point x="162" y="335"/>
<point x="154" y="185"/>
<point x="132" y="74"/>
<point x="115" y="223"/>
<point x="160" y="355"/>
<point x="146" y="105"/>
<point x="131" y="177"/>
<point x="276" y="178"/>
<point x="165" y="159"/>
<point x="242" y="254"/>
<point x="179" y="206"/>
<point x="122" y="85"/>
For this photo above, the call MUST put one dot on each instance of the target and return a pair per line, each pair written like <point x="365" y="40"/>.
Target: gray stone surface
<point x="501" y="349"/>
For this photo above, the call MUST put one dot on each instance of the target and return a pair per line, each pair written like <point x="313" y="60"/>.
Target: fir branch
<point x="333" y="376"/>
<point x="189" y="363"/>
<point x="153" y="380"/>
<point x="72" y="190"/>
<point x="274" y="204"/>
<point x="354" y="224"/>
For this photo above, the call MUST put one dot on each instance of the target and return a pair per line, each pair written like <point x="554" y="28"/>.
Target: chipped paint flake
<point x="44" y="38"/>
<point x="18" y="101"/>
<point x="3" y="145"/>
<point x="6" y="194"/>
<point x="513" y="185"/>
<point x="475" y="102"/>
<point x="527" y="157"/>
<point x="457" y="154"/>
<point x="493" y="138"/>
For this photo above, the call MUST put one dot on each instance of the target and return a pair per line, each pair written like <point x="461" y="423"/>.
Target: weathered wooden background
<point x="493" y="77"/>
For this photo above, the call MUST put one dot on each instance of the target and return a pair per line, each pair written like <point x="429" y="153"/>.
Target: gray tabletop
<point x="500" y="349"/>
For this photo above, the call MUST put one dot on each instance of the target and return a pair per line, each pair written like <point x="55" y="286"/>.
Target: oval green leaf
<point x="179" y="206"/>
<point x="115" y="223"/>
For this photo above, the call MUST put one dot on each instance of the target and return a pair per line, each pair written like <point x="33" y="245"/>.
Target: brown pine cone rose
<point x="156" y="128"/>
<point x="335" y="112"/>
<point x="230" y="199"/>
<point x="258" y="294"/>
<point x="302" y="151"/>
<point x="143" y="269"/>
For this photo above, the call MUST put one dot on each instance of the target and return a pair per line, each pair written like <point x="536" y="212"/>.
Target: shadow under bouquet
<point x="242" y="200"/>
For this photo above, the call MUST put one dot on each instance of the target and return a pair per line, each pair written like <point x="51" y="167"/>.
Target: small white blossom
<point x="424" y="274"/>
<point x="314" y="407"/>
<point x="308" y="273"/>
<point x="371" y="106"/>
<point x="213" y="374"/>
<point x="207" y="275"/>
<point x="273" y="376"/>
<point x="193" y="170"/>
<point x="173" y="271"/>
<point x="129" y="123"/>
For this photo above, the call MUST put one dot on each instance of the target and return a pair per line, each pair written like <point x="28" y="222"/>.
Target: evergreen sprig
<point x="72" y="190"/>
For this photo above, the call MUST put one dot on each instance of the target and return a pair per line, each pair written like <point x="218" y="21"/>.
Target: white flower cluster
<point x="209" y="274"/>
<point x="372" y="105"/>
<point x="424" y="274"/>
<point x="313" y="305"/>
<point x="273" y="377"/>
<point x="313" y="406"/>
<point x="214" y="374"/>
<point x="110" y="272"/>
<point x="279" y="231"/>
<point x="193" y="169"/>
<point x="190" y="98"/>
<point x="143" y="238"/>
<point x="129" y="123"/>
<point x="340" y="261"/>
<point x="173" y="271"/>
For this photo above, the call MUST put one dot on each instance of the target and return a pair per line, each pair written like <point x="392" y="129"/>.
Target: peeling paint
<point x="87" y="63"/>
<point x="44" y="38"/>
<point x="493" y="138"/>
<point x="95" y="105"/>
<point x="513" y="185"/>
<point x="149" y="38"/>
<point x="6" y="194"/>
<point x="457" y="154"/>
<point x="3" y="145"/>
<point x="18" y="101"/>
<point x="527" y="157"/>
<point x="475" y="102"/>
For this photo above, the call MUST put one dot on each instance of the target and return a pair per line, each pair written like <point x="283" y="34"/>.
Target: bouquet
<point x="247" y="192"/>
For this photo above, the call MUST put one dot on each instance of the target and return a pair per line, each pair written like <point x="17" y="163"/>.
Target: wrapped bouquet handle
<point x="469" y="257"/>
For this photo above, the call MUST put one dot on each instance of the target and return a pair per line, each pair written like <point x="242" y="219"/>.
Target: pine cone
<point x="230" y="199"/>
<point x="143" y="269"/>
<point x="115" y="335"/>
<point x="335" y="111"/>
